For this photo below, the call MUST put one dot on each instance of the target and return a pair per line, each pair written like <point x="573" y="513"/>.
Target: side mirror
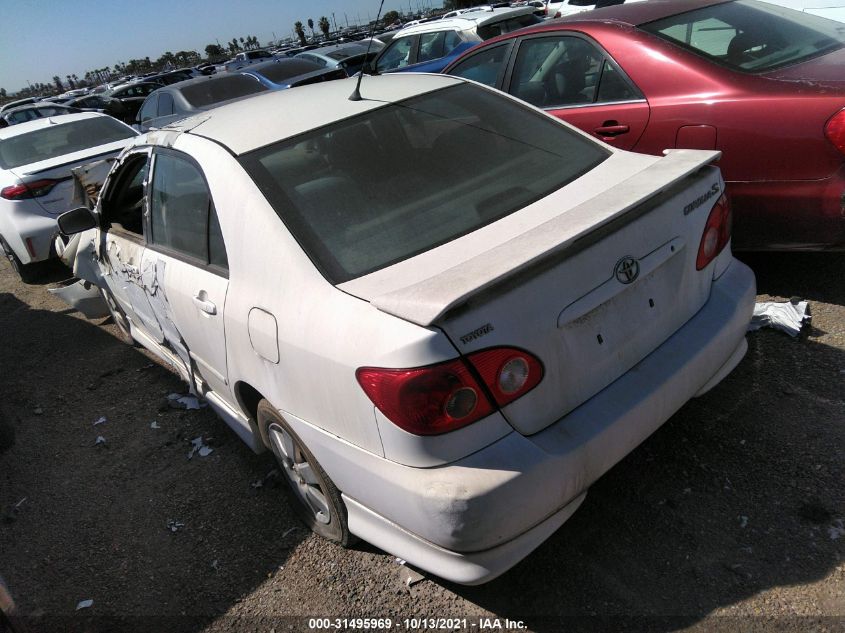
<point x="76" y="221"/>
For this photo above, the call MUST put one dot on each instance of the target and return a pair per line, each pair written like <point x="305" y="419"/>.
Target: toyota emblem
<point x="627" y="270"/>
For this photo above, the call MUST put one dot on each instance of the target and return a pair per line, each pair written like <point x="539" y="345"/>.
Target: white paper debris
<point x="837" y="530"/>
<point x="179" y="401"/>
<point x="100" y="440"/>
<point x="101" y="420"/>
<point x="409" y="576"/>
<point x="199" y="446"/>
<point x="743" y="521"/>
<point x="154" y="424"/>
<point x="787" y="316"/>
<point x="174" y="526"/>
<point x="84" y="604"/>
<point x="400" y="561"/>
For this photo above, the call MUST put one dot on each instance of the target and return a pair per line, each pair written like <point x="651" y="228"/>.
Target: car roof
<point x="37" y="124"/>
<point x="638" y="13"/>
<point x="465" y="21"/>
<point x="246" y="125"/>
<point x="36" y="105"/>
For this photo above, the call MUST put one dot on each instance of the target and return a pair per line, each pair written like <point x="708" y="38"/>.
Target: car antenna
<point x="356" y="94"/>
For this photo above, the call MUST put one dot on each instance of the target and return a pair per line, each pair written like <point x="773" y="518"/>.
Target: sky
<point x="42" y="38"/>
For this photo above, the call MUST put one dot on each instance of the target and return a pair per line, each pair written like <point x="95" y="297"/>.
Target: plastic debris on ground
<point x="788" y="316"/>
<point x="100" y="420"/>
<point x="100" y="440"/>
<point x="180" y="401"/>
<point x="743" y="521"/>
<point x="154" y="424"/>
<point x="272" y="476"/>
<point x="409" y="577"/>
<point x="837" y="530"/>
<point x="199" y="446"/>
<point x="174" y="526"/>
<point x="84" y="604"/>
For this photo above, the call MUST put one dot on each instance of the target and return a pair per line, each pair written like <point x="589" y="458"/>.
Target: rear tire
<point x="27" y="272"/>
<point x="312" y="493"/>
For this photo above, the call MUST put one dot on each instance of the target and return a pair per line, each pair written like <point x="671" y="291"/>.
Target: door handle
<point x="612" y="130"/>
<point x="204" y="304"/>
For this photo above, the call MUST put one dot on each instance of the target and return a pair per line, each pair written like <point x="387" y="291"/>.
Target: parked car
<point x="281" y="74"/>
<point x="570" y="7"/>
<point x="36" y="159"/>
<point x="349" y="57"/>
<point x="33" y="111"/>
<point x="132" y="96"/>
<point x="185" y="98"/>
<point x="247" y="58"/>
<point x="17" y="103"/>
<point x="431" y="46"/>
<point x="830" y="9"/>
<point x="443" y="341"/>
<point x="99" y="103"/>
<point x="761" y="83"/>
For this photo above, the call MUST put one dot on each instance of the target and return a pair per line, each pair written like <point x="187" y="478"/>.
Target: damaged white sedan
<point x="445" y="312"/>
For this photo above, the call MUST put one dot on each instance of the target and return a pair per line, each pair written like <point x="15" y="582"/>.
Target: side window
<point x="165" y="104"/>
<point x="180" y="206"/>
<point x="431" y="46"/>
<point x="396" y="55"/>
<point x="148" y="110"/>
<point x="556" y="71"/>
<point x="485" y="66"/>
<point x="614" y="87"/>
<point x="123" y="205"/>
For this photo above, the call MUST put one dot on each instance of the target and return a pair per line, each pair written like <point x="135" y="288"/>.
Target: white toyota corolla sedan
<point x="36" y="159"/>
<point x="445" y="312"/>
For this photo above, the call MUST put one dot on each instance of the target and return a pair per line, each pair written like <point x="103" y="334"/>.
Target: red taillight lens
<point x="28" y="190"/>
<point x="508" y="373"/>
<point x="447" y="396"/>
<point x="426" y="400"/>
<point x="717" y="232"/>
<point x="834" y="130"/>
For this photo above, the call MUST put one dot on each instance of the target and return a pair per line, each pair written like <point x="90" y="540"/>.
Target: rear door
<point x="570" y="77"/>
<point x="187" y="258"/>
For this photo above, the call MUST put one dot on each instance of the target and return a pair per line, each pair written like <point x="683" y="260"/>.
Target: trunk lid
<point x="590" y="293"/>
<point x="61" y="196"/>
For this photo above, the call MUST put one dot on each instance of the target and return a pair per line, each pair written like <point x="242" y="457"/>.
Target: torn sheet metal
<point x="88" y="180"/>
<point x="82" y="296"/>
<point x="152" y="281"/>
<point x="788" y="316"/>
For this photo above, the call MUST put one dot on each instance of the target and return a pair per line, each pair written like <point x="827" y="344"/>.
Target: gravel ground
<point x="730" y="517"/>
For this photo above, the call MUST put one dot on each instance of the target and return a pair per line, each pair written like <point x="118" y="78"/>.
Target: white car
<point x="443" y="340"/>
<point x="569" y="7"/>
<point x="36" y="159"/>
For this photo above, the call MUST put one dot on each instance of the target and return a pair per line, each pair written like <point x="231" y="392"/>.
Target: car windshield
<point x="280" y="71"/>
<point x="373" y="190"/>
<point x="751" y="36"/>
<point x="58" y="140"/>
<point x="217" y="89"/>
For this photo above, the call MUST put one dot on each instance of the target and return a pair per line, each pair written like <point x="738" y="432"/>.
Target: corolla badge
<point x="627" y="270"/>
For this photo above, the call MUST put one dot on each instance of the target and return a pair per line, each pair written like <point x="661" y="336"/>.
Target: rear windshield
<point x="751" y="36"/>
<point x="343" y="53"/>
<point x="219" y="89"/>
<point x="61" y="139"/>
<point x="373" y="190"/>
<point x="279" y="71"/>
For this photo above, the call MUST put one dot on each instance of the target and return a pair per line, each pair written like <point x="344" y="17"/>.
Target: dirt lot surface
<point x="730" y="517"/>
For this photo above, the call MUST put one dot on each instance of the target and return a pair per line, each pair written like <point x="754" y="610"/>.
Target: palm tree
<point x="297" y="28"/>
<point x="325" y="27"/>
<point x="311" y="26"/>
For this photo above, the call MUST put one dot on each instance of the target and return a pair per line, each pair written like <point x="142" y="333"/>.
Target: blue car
<point x="280" y="74"/>
<point x="430" y="46"/>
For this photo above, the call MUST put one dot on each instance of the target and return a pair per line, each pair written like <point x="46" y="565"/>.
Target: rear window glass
<point x="381" y="187"/>
<point x="220" y="89"/>
<point x="58" y="140"/>
<point x="279" y="71"/>
<point x="346" y="52"/>
<point x="751" y="36"/>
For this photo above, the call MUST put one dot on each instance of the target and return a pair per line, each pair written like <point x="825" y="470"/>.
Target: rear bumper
<point x="789" y="215"/>
<point x="475" y="518"/>
<point x="29" y="232"/>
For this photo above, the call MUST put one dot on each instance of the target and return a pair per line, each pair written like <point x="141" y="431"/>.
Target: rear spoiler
<point x="427" y="301"/>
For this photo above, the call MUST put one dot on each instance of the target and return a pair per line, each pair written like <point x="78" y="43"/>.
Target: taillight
<point x="28" y="190"/>
<point x="508" y="373"/>
<point x="557" y="15"/>
<point x="447" y="396"/>
<point x="717" y="232"/>
<point x="834" y="130"/>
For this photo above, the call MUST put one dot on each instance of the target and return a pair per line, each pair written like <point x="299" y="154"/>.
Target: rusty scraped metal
<point x="88" y="179"/>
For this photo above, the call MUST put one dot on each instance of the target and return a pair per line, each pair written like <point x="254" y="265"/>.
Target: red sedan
<point x="764" y="84"/>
